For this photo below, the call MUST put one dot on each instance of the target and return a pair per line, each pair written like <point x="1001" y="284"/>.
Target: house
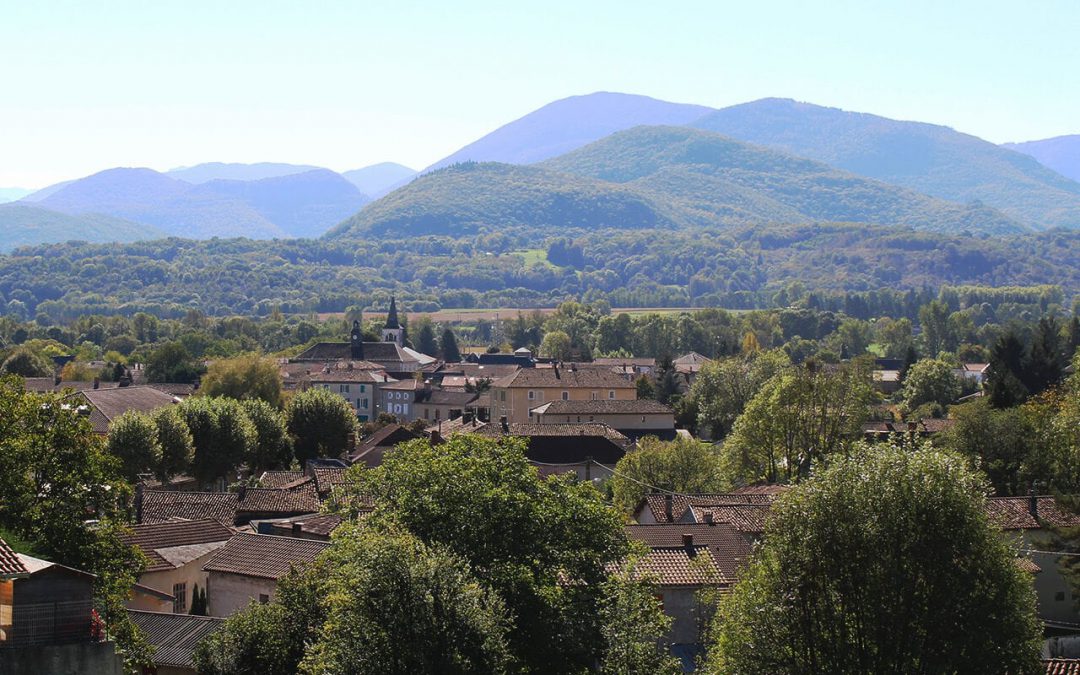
<point x="1027" y="520"/>
<point x="670" y="508"/>
<point x="887" y="381"/>
<point x="399" y="398"/>
<point x="357" y="385"/>
<point x="174" y="638"/>
<point x="47" y="621"/>
<point x="690" y="364"/>
<point x="515" y="395"/>
<point x="926" y="427"/>
<point x="102" y="406"/>
<point x="683" y="559"/>
<point x="292" y="499"/>
<point x="370" y="450"/>
<point x="390" y="356"/>
<point x="588" y="450"/>
<point x="632" y="418"/>
<point x="1061" y="666"/>
<point x="630" y="367"/>
<point x="318" y="526"/>
<point x="176" y="552"/>
<point x="975" y="372"/>
<point x="434" y="404"/>
<point x="248" y="568"/>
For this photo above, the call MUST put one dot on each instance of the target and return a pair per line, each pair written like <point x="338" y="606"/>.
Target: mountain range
<point x="1062" y="154"/>
<point x="613" y="160"/>
<point x="25" y="224"/>
<point x="661" y="177"/>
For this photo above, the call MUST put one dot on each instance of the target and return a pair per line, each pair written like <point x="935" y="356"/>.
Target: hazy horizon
<point x="347" y="86"/>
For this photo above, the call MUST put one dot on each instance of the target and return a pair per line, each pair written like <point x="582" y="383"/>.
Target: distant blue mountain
<point x="27" y="224"/>
<point x="203" y="173"/>
<point x="1062" y="154"/>
<point x="378" y="179"/>
<point x="297" y="205"/>
<point x="568" y="124"/>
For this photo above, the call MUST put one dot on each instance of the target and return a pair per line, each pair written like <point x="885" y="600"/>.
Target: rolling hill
<point x="1062" y="154"/>
<point x="463" y="198"/>
<point x="24" y="224"/>
<point x="294" y="205"/>
<point x="934" y="160"/>
<point x="570" y="123"/>
<point x="204" y="173"/>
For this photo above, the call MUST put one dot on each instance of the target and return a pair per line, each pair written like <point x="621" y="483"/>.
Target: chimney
<point x="668" y="508"/>
<point x="436" y="437"/>
<point x="1033" y="503"/>
<point x="97" y="383"/>
<point x="241" y="492"/>
<point x="555" y="367"/>
<point x="297" y="529"/>
<point x="505" y="425"/>
<point x="467" y="417"/>
<point x="688" y="540"/>
<point x="708" y="515"/>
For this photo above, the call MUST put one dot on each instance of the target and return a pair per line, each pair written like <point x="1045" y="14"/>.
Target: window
<point x="425" y="413"/>
<point x="593" y="395"/>
<point x="532" y="395"/>
<point x="179" y="603"/>
<point x="1059" y="596"/>
<point x="343" y="389"/>
<point x="263" y="598"/>
<point x="363" y="388"/>
<point x="611" y="393"/>
<point x="566" y="396"/>
<point x="363" y="404"/>
<point x="502" y="395"/>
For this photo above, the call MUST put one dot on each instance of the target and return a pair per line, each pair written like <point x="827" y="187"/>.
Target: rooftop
<point x="657" y="503"/>
<point x="1016" y="513"/>
<point x="728" y="547"/>
<point x="169" y="545"/>
<point x="292" y="500"/>
<point x="174" y="637"/>
<point x="562" y="377"/>
<point x="11" y="567"/>
<point x="639" y="406"/>
<point x="164" y="505"/>
<point x="264" y="556"/>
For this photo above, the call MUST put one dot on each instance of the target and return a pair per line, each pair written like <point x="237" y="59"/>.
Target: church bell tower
<point x="392" y="331"/>
<point x="356" y="342"/>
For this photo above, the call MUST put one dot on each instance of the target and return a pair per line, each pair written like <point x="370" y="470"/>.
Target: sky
<point x="89" y="85"/>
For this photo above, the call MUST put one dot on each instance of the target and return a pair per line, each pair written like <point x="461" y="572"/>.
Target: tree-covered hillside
<point x="462" y="199"/>
<point x="724" y="181"/>
<point x="746" y="267"/>
<point x="24" y="224"/>
<point x="931" y="159"/>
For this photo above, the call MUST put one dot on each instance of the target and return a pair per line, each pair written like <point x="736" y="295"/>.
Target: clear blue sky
<point x="90" y="85"/>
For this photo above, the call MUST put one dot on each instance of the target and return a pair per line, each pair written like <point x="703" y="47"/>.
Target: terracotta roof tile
<point x="605" y="407"/>
<point x="10" y="564"/>
<point x="264" y="556"/>
<point x="748" y="518"/>
<point x="277" y="479"/>
<point x="582" y="378"/>
<point x="1014" y="513"/>
<point x="154" y="537"/>
<point x="164" y="505"/>
<point x="728" y="548"/>
<point x="657" y="503"/>
<point x="111" y="403"/>
<point x="680" y="566"/>
<point x="1062" y="666"/>
<point x="293" y="500"/>
<point x="320" y="525"/>
<point x="327" y="478"/>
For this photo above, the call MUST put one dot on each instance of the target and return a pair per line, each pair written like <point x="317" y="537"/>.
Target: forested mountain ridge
<point x="208" y="171"/>
<point x="931" y="159"/>
<point x="723" y="181"/>
<point x="656" y="177"/>
<point x="1062" y="154"/>
<point x="570" y="123"/>
<point x="464" y="198"/>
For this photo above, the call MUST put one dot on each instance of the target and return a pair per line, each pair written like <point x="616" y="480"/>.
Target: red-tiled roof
<point x="111" y="403"/>
<point x="293" y="500"/>
<point x="604" y="406"/>
<point x="277" y="479"/>
<point x="327" y="478"/>
<point x="10" y="564"/>
<point x="264" y="556"/>
<point x="1015" y="513"/>
<point x="163" y="505"/>
<point x="680" y="566"/>
<point x="657" y="503"/>
<point x="1062" y="666"/>
<point x="729" y="549"/>
<point x="747" y="518"/>
<point x="771" y="489"/>
<point x="550" y="378"/>
<point x="152" y="538"/>
<point x="320" y="525"/>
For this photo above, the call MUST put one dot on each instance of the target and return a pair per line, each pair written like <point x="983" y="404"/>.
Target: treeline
<point x="861" y="270"/>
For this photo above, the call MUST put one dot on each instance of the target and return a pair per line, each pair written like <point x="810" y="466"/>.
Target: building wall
<point x="399" y="403"/>
<point x="230" y="593"/>
<point x="514" y="402"/>
<point x="1055" y="599"/>
<point x="681" y="605"/>
<point x="360" y="395"/>
<point x="188" y="574"/>
<point x="81" y="658"/>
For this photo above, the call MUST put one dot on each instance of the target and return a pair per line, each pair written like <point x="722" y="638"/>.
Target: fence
<point x="51" y="623"/>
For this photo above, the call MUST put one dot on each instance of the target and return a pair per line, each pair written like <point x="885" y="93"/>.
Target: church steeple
<point x="392" y="331"/>
<point x="391" y="316"/>
<point x="356" y="342"/>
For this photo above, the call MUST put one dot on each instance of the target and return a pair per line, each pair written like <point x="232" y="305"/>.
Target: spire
<point x="391" y="316"/>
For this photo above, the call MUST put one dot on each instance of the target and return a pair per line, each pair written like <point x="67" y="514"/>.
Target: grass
<point x="535" y="256"/>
